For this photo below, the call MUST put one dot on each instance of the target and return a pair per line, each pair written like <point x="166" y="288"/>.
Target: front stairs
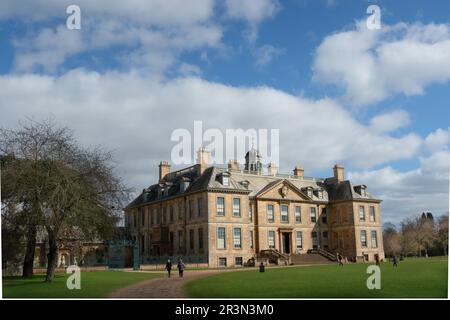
<point x="316" y="256"/>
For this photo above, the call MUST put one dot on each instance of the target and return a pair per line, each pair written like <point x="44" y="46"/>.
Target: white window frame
<point x="271" y="216"/>
<point x="222" y="259"/>
<point x="221" y="212"/>
<point x="299" y="240"/>
<point x="271" y="239"/>
<point x="372" y="214"/>
<point x="237" y="207"/>
<point x="374" y="244"/>
<point x="221" y="243"/>
<point x="311" y="215"/>
<point x="298" y="214"/>
<point x="362" y="217"/>
<point x="237" y="238"/>
<point x="284" y="214"/>
<point x="225" y="180"/>
<point x="363" y="235"/>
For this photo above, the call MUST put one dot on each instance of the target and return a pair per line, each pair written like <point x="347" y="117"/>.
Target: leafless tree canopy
<point x="417" y="235"/>
<point x="52" y="182"/>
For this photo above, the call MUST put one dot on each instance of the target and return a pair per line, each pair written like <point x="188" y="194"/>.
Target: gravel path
<point x="162" y="287"/>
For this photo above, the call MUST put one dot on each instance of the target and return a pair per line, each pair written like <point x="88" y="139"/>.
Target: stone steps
<point x="310" y="258"/>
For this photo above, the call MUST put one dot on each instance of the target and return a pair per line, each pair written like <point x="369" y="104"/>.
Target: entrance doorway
<point x="286" y="239"/>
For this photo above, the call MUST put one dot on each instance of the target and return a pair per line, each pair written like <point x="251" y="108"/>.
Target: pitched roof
<point x="240" y="181"/>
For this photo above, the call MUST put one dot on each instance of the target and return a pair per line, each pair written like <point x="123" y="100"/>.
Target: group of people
<point x="180" y="267"/>
<point x="377" y="260"/>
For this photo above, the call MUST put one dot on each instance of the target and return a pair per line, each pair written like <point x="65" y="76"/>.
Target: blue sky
<point x="373" y="100"/>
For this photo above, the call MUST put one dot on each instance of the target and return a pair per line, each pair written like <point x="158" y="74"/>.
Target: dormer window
<point x="244" y="183"/>
<point x="184" y="184"/>
<point x="361" y="190"/>
<point x="320" y="194"/>
<point x="224" y="178"/>
<point x="309" y="192"/>
<point x="226" y="181"/>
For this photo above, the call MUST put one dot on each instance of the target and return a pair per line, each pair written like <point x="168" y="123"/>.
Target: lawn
<point x="93" y="285"/>
<point x="414" y="278"/>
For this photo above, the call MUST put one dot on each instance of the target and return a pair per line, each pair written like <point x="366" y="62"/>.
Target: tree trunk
<point x="28" y="262"/>
<point x="52" y="258"/>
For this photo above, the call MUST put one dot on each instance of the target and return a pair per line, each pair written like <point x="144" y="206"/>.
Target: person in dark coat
<point x="180" y="267"/>
<point x="340" y="259"/>
<point x="262" y="268"/>
<point x="395" y="261"/>
<point x="377" y="259"/>
<point x="168" y="267"/>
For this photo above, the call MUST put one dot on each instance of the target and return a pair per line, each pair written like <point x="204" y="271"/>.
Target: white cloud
<point x="253" y="12"/>
<point x="412" y="192"/>
<point x="438" y="140"/>
<point x="138" y="118"/>
<point x="390" y="121"/>
<point x="265" y="54"/>
<point x="154" y="33"/>
<point x="372" y="65"/>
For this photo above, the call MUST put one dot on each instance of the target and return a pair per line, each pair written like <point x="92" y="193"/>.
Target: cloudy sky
<point x="376" y="101"/>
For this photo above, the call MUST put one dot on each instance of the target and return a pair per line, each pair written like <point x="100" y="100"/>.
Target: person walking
<point x="168" y="267"/>
<point x="340" y="260"/>
<point x="180" y="267"/>
<point x="395" y="261"/>
<point x="377" y="259"/>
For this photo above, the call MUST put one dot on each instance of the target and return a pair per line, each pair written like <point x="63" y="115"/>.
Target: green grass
<point x="414" y="278"/>
<point x="93" y="285"/>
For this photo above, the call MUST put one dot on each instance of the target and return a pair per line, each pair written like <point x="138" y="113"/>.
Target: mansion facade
<point x="226" y="216"/>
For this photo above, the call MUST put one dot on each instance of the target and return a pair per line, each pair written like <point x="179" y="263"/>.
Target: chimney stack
<point x="338" y="172"/>
<point x="203" y="158"/>
<point x="164" y="169"/>
<point x="233" y="165"/>
<point x="273" y="169"/>
<point x="299" y="172"/>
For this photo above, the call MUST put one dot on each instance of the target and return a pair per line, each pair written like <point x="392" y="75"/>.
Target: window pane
<point x="236" y="207"/>
<point x="324" y="216"/>
<point x="220" y="206"/>
<point x="284" y="213"/>
<point x="298" y="214"/>
<point x="270" y="212"/>
<point x="199" y="207"/>
<point x="237" y="238"/>
<point x="271" y="239"/>
<point x="200" y="238"/>
<point x="372" y="214"/>
<point x="299" y="239"/>
<point x="221" y="238"/>
<point x="374" y="239"/>
<point x="363" y="238"/>
<point x="362" y="214"/>
<point x="222" y="262"/>
<point x="312" y="213"/>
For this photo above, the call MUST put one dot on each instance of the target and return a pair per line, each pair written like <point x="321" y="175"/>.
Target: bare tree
<point x="426" y="232"/>
<point x="24" y="152"/>
<point x="442" y="237"/>
<point x="391" y="239"/>
<point x="409" y="241"/>
<point x="59" y="185"/>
